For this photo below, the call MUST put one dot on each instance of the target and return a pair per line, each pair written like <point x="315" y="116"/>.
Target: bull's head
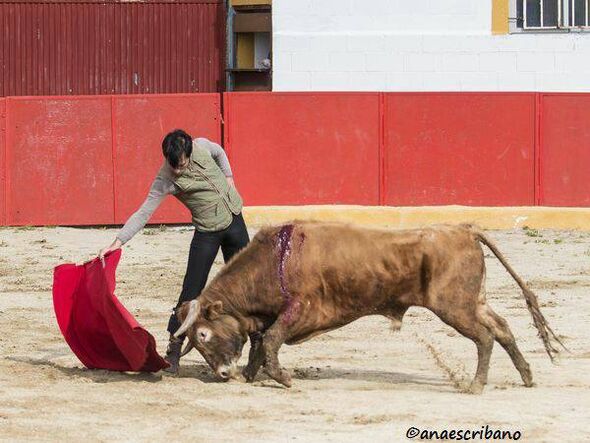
<point x="216" y="335"/>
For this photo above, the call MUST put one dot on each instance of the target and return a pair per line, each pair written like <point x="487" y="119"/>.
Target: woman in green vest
<point x="198" y="174"/>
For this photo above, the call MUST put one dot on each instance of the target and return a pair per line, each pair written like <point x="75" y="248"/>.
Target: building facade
<point x="431" y="45"/>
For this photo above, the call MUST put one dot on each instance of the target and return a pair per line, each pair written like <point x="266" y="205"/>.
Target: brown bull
<point x="296" y="281"/>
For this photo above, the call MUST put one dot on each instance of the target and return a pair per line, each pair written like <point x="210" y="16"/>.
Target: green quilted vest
<point x="205" y="192"/>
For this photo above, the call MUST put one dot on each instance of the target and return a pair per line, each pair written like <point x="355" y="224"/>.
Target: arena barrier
<point x="90" y="160"/>
<point x="59" y="165"/>
<point x="304" y="148"/>
<point x="564" y="150"/>
<point x="139" y="123"/>
<point x="87" y="160"/>
<point x="475" y="149"/>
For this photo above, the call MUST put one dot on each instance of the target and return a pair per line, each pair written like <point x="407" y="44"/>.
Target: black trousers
<point x="203" y="250"/>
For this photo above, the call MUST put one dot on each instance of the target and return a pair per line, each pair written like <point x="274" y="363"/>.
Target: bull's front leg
<point x="271" y="343"/>
<point x="255" y="357"/>
<point x="276" y="335"/>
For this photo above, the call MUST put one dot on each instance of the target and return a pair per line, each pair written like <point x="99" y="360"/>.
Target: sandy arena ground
<point x="359" y="383"/>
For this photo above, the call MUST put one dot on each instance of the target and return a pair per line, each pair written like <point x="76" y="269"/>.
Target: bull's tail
<point x="545" y="331"/>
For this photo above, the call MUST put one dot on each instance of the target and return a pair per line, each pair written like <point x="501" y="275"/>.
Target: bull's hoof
<point x="249" y="374"/>
<point x="527" y="378"/>
<point x="476" y="388"/>
<point x="281" y="376"/>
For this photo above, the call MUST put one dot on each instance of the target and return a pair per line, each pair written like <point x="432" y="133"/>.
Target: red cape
<point x="98" y="328"/>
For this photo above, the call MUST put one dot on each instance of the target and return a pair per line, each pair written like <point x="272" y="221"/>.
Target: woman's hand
<point x="114" y="245"/>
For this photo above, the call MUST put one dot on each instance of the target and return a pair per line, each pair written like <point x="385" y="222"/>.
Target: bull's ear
<point x="214" y="309"/>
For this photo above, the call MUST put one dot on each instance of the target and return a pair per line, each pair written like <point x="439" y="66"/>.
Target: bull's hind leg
<point x="396" y="316"/>
<point x="485" y="343"/>
<point x="464" y="319"/>
<point x="499" y="328"/>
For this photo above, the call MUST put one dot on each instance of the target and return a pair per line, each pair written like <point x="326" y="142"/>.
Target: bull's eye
<point x="203" y="335"/>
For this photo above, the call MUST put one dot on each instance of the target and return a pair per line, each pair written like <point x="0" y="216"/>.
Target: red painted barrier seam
<point x="114" y="156"/>
<point x="381" y="149"/>
<point x="385" y="153"/>
<point x="219" y="118"/>
<point x="537" y="149"/>
<point x="225" y="121"/>
<point x="6" y="168"/>
<point x="4" y="216"/>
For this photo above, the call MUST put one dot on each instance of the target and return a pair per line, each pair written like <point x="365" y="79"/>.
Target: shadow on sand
<point x="95" y="375"/>
<point x="371" y="376"/>
<point x="202" y="372"/>
<point x="377" y="379"/>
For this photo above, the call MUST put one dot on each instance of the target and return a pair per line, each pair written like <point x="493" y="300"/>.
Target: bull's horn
<point x="191" y="317"/>
<point x="188" y="348"/>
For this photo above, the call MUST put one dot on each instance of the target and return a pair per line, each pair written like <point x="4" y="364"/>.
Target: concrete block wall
<point x="418" y="45"/>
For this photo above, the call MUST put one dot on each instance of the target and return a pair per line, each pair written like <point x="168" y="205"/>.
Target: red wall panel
<point x="2" y="161"/>
<point x="140" y="123"/>
<point x="468" y="148"/>
<point x="565" y="150"/>
<point x="304" y="148"/>
<point x="59" y="162"/>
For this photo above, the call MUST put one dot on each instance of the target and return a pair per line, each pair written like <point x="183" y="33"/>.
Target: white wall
<point x="417" y="45"/>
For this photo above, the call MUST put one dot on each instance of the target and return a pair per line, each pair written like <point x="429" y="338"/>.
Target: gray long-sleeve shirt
<point x="163" y="185"/>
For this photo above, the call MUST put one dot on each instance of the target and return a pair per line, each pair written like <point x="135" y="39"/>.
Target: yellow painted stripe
<point x="413" y="217"/>
<point x="500" y="16"/>
<point x="252" y="2"/>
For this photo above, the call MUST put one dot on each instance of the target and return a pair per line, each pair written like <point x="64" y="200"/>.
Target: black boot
<point x="173" y="354"/>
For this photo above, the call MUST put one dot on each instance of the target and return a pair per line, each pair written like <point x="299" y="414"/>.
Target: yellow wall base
<point x="413" y="217"/>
